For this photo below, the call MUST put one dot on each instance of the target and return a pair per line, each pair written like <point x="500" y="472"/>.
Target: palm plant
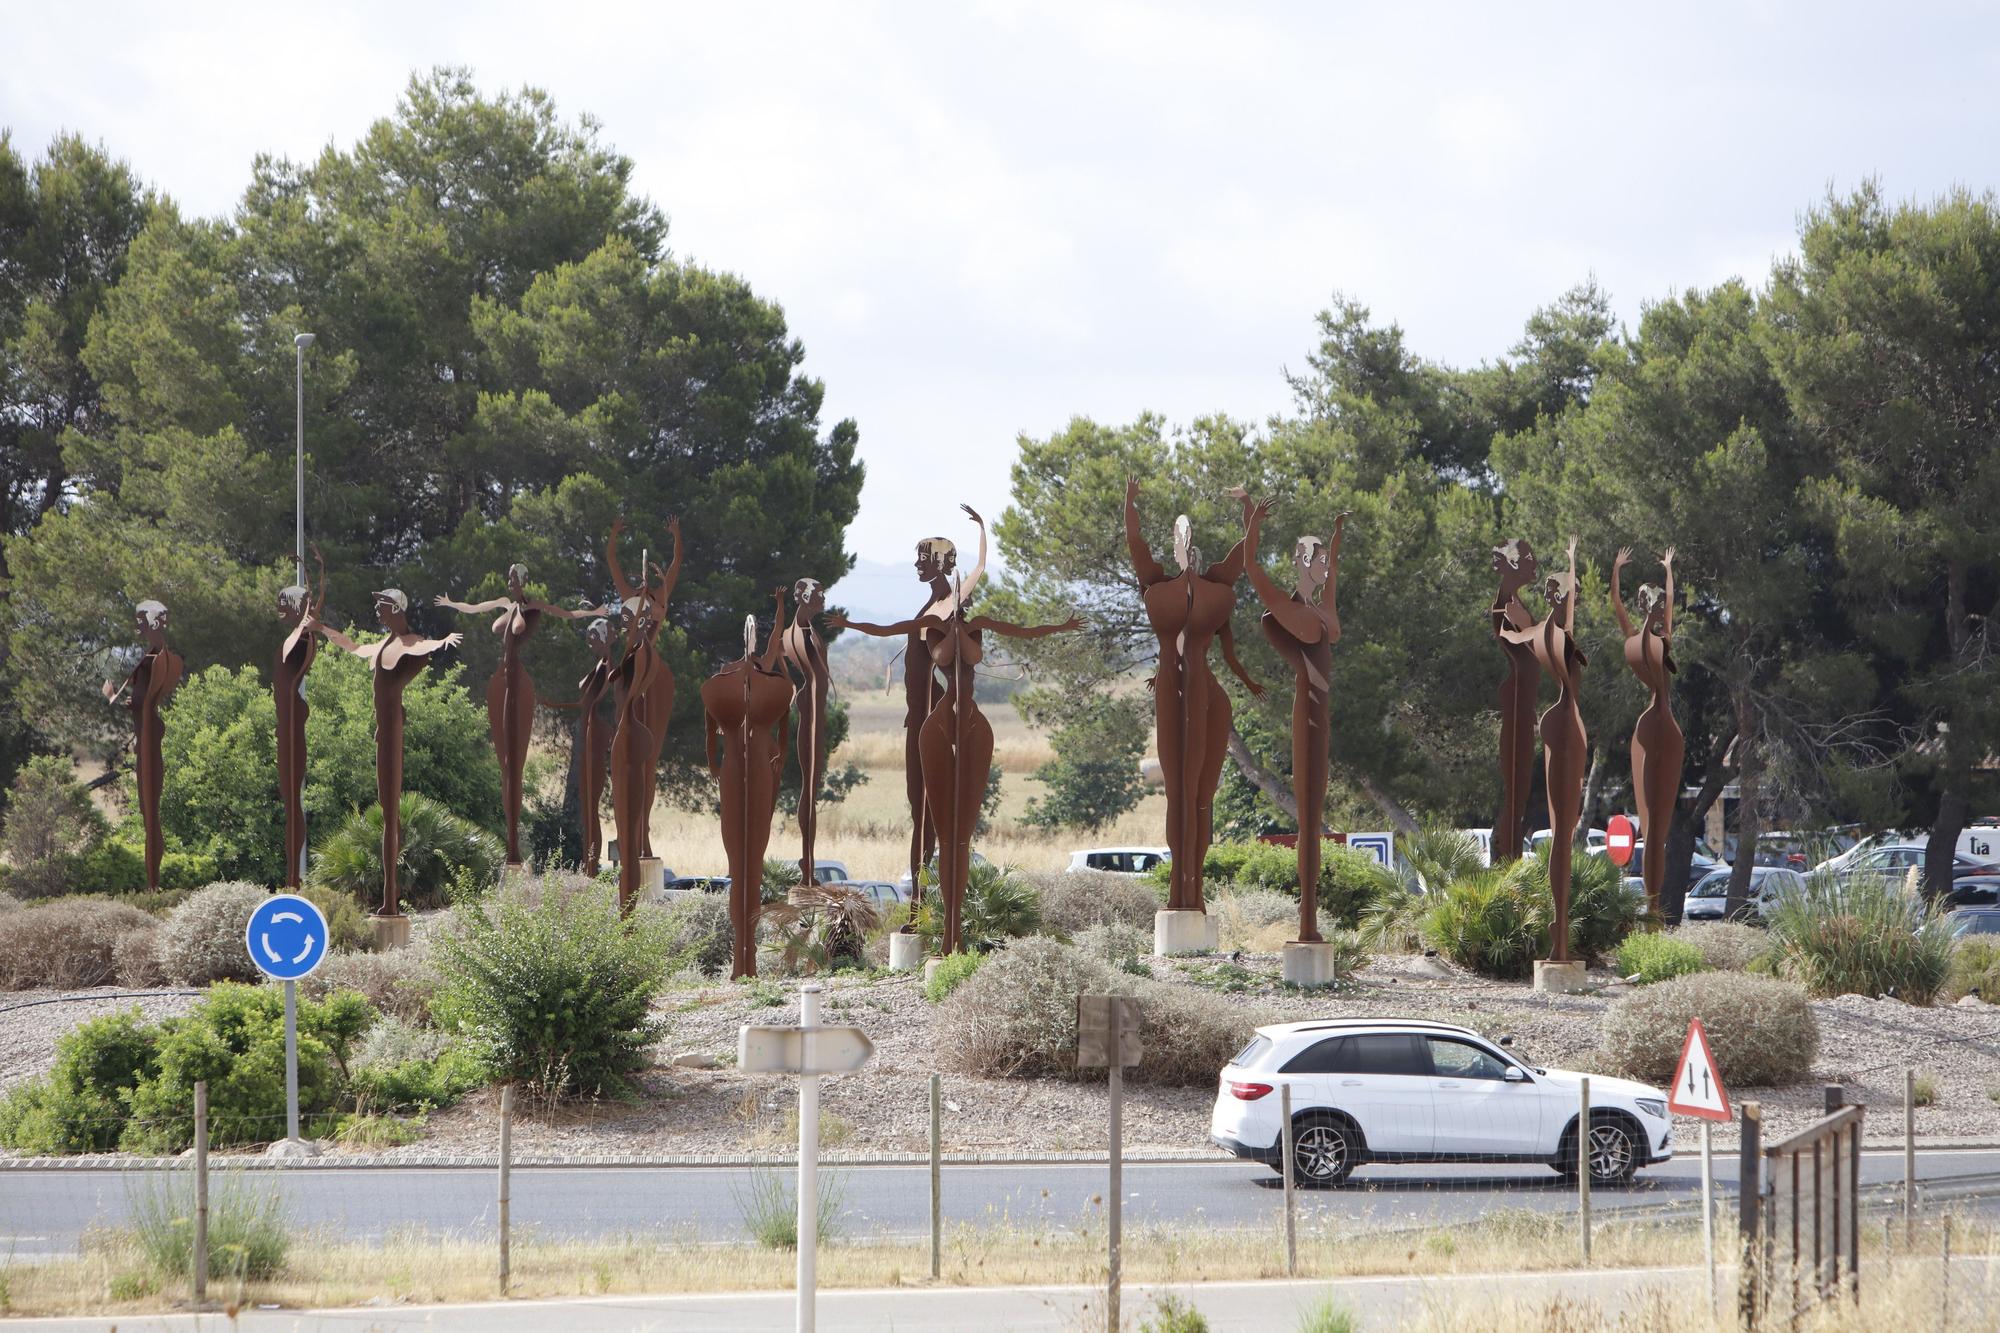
<point x="999" y="906"/>
<point x="1867" y="936"/>
<point x="823" y="926"/>
<point x="437" y="846"/>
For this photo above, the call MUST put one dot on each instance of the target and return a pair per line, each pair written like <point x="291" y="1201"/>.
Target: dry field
<point x="870" y="830"/>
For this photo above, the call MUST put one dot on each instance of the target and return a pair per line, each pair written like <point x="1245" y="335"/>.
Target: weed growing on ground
<point x="768" y="1202"/>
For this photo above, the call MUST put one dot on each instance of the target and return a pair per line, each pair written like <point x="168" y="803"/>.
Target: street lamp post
<point x="299" y="344"/>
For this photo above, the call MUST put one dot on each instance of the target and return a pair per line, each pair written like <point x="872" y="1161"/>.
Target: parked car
<point x="1897" y="860"/>
<point x="1593" y="842"/>
<point x="1699" y="861"/>
<point x="877" y="891"/>
<point x="1410" y="1090"/>
<point x="699" y="884"/>
<point x="1117" y="860"/>
<point x="1710" y="895"/>
<point x="903" y="880"/>
<point x="1974" y="921"/>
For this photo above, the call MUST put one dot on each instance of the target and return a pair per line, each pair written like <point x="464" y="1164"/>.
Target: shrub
<point x="1395" y="923"/>
<point x="1349" y="882"/>
<point x="1437" y="854"/>
<point x="1189" y="1034"/>
<point x="769" y="1204"/>
<point x="83" y="1103"/>
<point x="823" y="927"/>
<point x="220" y="751"/>
<point x="249" y="1232"/>
<point x="1016" y="1016"/>
<point x="1072" y="902"/>
<point x="1601" y="912"/>
<point x="1654" y="957"/>
<point x="697" y="932"/>
<point x="1486" y="923"/>
<point x="557" y="995"/>
<point x="1866" y="937"/>
<point x="1923" y="1090"/>
<point x="9" y="903"/>
<point x="1116" y="943"/>
<point x="1171" y="1314"/>
<point x="398" y="982"/>
<point x="69" y="943"/>
<point x="346" y="927"/>
<point x="1761" y="1030"/>
<point x="1000" y="904"/>
<point x="202" y="939"/>
<point x="51" y="826"/>
<point x="234" y="1038"/>
<point x="118" y="865"/>
<point x="400" y="1067"/>
<point x="1729" y="946"/>
<point x="1975" y="969"/>
<point x="437" y="844"/>
<point x="135" y="959"/>
<point x="950" y="971"/>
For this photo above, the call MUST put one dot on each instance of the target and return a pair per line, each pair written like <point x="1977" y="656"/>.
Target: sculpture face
<point x="598" y="636"/>
<point x="1558" y="588"/>
<point x="936" y="558"/>
<point x="292" y="605"/>
<point x="811" y="598"/>
<point x="517" y="578"/>
<point x="1311" y="566"/>
<point x="151" y="621"/>
<point x="1653" y="608"/>
<point x="1514" y="562"/>
<point x="390" y="608"/>
<point x="1185" y="555"/>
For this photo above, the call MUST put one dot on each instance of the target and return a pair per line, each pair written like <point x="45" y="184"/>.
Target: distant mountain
<point x="879" y="591"/>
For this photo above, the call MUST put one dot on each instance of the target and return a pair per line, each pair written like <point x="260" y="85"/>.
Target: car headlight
<point x="1652" y="1106"/>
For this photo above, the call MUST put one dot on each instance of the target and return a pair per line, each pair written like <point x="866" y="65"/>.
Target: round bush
<point x="1653" y="957"/>
<point x="951" y="970"/>
<point x="69" y="943"/>
<point x="1727" y="946"/>
<point x="1074" y="901"/>
<point x="79" y="1106"/>
<point x="136" y="957"/>
<point x="399" y="982"/>
<point x="697" y="932"/>
<point x="1189" y="1034"/>
<point x="1116" y="943"/>
<point x="1761" y="1029"/>
<point x="202" y="939"/>
<point x="1016" y="1016"/>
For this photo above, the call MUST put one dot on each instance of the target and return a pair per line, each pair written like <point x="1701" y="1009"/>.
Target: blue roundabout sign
<point x="286" y="937"/>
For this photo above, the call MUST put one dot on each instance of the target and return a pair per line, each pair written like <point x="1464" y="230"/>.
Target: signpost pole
<point x="808" y="1159"/>
<point x="292" y="1061"/>
<point x="1117" y="1173"/>
<point x="937" y="1181"/>
<point x="1583" y="1163"/>
<point x="1708" y="1209"/>
<point x="1285" y="1167"/>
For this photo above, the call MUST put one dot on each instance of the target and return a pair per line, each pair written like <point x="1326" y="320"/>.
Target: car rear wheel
<point x="1323" y="1152"/>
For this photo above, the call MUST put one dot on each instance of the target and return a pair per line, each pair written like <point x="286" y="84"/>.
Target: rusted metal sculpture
<point x="645" y="689"/>
<point x="805" y="662"/>
<point x="395" y="662"/>
<point x="1565" y="747"/>
<point x="1303" y="625"/>
<point x="1188" y="611"/>
<point x="1519" y="695"/>
<point x="1657" y="745"/>
<point x="956" y="744"/>
<point x="594" y="738"/>
<point x="510" y="695"/>
<point x="741" y="703"/>
<point x="296" y="607"/>
<point x="937" y="565"/>
<point x="145" y="691"/>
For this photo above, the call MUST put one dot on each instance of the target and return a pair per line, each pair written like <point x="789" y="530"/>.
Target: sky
<point x="984" y="219"/>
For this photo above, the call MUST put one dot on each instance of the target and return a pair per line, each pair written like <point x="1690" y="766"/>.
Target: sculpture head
<point x="639" y="618"/>
<point x="517" y="580"/>
<point x="1653" y="608"/>
<point x="1514" y="562"/>
<point x="1559" y="588"/>
<point x="1186" y="557"/>
<point x="151" y="619"/>
<point x="392" y="608"/>
<point x="1311" y="566"/>
<point x="292" y="604"/>
<point x="749" y="636"/>
<point x="937" y="557"/>
<point x="811" y="598"/>
<point x="598" y="635"/>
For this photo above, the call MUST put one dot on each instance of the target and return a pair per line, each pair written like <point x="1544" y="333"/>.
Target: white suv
<point x="1408" y="1090"/>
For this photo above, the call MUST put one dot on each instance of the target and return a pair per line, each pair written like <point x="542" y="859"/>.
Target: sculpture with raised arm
<point x="740" y="704"/>
<point x="805" y="661"/>
<point x="145" y="691"/>
<point x="1303" y="625"/>
<point x="956" y="744"/>
<point x="937" y="565"/>
<point x="1565" y="747"/>
<point x="296" y="607"/>
<point x="510" y="695"/>
<point x="645" y="688"/>
<point x="1188" y="611"/>
<point x="1657" y="745"/>
<point x="395" y="661"/>
<point x="594" y="738"/>
<point x="1519" y="696"/>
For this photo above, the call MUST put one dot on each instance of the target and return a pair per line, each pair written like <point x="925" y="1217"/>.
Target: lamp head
<point x="302" y="340"/>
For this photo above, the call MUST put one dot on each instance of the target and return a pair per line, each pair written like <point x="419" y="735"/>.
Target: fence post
<point x="1749" y="1198"/>
<point x="1909" y="1156"/>
<point x="1583" y="1162"/>
<point x="937" y="1180"/>
<point x="200" y="1193"/>
<point x="1944" y="1279"/>
<point x="506" y="1173"/>
<point x="1285" y="1168"/>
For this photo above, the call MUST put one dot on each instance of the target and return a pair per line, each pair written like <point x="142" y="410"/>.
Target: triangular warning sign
<point x="1697" y="1088"/>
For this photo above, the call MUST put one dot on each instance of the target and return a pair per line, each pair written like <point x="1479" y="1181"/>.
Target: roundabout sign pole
<point x="286" y="937"/>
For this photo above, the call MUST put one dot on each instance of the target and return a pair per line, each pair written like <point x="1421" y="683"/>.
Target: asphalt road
<point x="46" y="1211"/>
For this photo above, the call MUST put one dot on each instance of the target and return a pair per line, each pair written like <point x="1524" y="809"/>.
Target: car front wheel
<point x="1614" y="1152"/>
<point x="1323" y="1152"/>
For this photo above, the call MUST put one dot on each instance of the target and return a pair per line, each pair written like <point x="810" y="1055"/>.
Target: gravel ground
<point x="1864" y="1045"/>
<point x="28" y="1030"/>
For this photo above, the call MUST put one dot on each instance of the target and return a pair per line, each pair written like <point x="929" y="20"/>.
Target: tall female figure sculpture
<point x="1303" y="625"/>
<point x="593" y="739"/>
<point x="957" y="740"/>
<point x="145" y="691"/>
<point x="1191" y="712"/>
<point x="1519" y="694"/>
<point x="937" y="567"/>
<point x="1565" y="747"/>
<point x="395" y="662"/>
<point x="645" y="688"/>
<point x="1657" y="745"/>
<point x="805" y="662"/>
<point x="510" y="695"/>
<point x="741" y="703"/>
<point x="296" y="606"/>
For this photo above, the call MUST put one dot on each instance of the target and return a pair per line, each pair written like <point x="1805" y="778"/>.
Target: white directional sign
<point x="784" y="1050"/>
<point x="1697" y="1088"/>
<point x="1381" y="846"/>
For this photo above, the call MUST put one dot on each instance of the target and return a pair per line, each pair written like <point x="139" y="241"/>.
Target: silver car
<point x="1707" y="900"/>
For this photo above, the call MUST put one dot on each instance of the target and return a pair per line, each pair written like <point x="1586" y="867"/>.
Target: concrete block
<point x="391" y="932"/>
<point x="1306" y="964"/>
<point x="1180" y="932"/>
<point x="906" y="950"/>
<point x="1560" y="978"/>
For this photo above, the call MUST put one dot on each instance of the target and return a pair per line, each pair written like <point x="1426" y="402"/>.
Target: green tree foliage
<point x="50" y="827"/>
<point x="1094" y="777"/>
<point x="507" y="358"/>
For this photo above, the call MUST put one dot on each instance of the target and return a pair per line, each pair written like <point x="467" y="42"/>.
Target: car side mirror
<point x="1514" y="1075"/>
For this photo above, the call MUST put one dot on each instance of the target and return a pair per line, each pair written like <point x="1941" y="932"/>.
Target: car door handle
<point x="1447" y="1083"/>
<point x="1350" y="1083"/>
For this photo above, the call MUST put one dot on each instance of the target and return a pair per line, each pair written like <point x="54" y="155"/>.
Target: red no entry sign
<point x="1619" y="835"/>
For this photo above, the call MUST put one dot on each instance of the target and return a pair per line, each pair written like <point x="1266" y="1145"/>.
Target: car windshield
<point x="1714" y="886"/>
<point x="1975" y="923"/>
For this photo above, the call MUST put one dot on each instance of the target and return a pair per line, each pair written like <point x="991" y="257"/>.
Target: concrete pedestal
<point x="292" y="1148"/>
<point x="906" y="950"/>
<point x="391" y="932"/>
<point x="652" y="874"/>
<point x="1559" y="978"/>
<point x="1214" y="931"/>
<point x="1307" y="964"/>
<point x="1180" y="932"/>
<point x="931" y="965"/>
